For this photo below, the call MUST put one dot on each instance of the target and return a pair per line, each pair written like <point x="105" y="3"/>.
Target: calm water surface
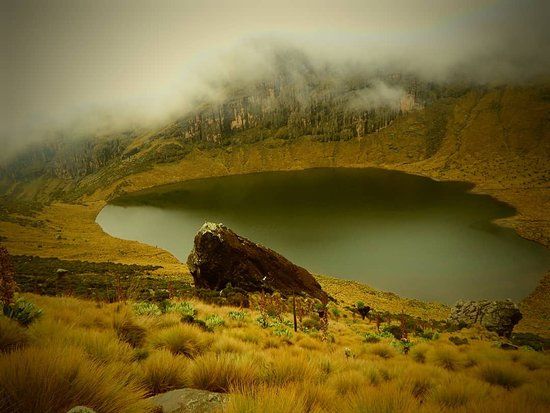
<point x="397" y="232"/>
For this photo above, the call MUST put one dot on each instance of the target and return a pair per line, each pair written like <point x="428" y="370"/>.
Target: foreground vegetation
<point x="111" y="357"/>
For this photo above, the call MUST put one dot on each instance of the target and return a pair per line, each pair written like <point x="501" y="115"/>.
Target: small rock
<point x="189" y="401"/>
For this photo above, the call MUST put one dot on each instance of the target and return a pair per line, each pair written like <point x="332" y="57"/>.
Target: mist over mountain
<point x="52" y="90"/>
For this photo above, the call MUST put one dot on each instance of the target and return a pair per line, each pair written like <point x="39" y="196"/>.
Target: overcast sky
<point x="142" y="60"/>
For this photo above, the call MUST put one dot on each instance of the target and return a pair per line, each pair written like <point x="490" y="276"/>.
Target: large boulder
<point x="497" y="316"/>
<point x="189" y="401"/>
<point x="220" y="257"/>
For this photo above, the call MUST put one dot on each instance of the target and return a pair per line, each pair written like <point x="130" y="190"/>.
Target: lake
<point x="396" y="232"/>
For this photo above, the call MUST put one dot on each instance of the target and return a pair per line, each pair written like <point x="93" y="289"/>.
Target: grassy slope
<point x="117" y="358"/>
<point x="498" y="139"/>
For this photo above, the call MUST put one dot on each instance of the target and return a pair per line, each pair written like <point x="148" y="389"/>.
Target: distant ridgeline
<point x="323" y="108"/>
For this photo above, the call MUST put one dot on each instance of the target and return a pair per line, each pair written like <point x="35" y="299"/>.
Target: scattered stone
<point x="189" y="401"/>
<point x="220" y="257"/>
<point x="496" y="316"/>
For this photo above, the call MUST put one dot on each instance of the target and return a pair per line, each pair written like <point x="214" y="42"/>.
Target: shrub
<point x="237" y="315"/>
<point x="12" y="335"/>
<point x="213" y="321"/>
<point x="429" y="334"/>
<point x="22" y="311"/>
<point x="162" y="372"/>
<point x="394" y="330"/>
<point x="188" y="341"/>
<point x="502" y="375"/>
<point x="7" y="283"/>
<point x="382" y="350"/>
<point x="51" y="380"/>
<point x="129" y="332"/>
<point x="183" y="308"/>
<point x="446" y="357"/>
<point x="221" y="372"/>
<point x="146" y="308"/>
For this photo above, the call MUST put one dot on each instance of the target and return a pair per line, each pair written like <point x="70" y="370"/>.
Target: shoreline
<point x="70" y="231"/>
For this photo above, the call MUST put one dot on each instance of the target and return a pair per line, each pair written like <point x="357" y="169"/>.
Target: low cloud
<point x="97" y="85"/>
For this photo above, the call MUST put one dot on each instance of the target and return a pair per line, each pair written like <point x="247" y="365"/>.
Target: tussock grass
<point x="269" y="399"/>
<point x="382" y="350"/>
<point x="418" y="382"/>
<point x="226" y="344"/>
<point x="129" y="331"/>
<point x="262" y="371"/>
<point x="12" y="335"/>
<point x="219" y="373"/>
<point x="501" y="374"/>
<point x="285" y="368"/>
<point x="386" y="398"/>
<point x="187" y="340"/>
<point x="419" y="353"/>
<point x="347" y="382"/>
<point x="455" y="394"/>
<point x="163" y="371"/>
<point x="52" y="380"/>
<point x="446" y="357"/>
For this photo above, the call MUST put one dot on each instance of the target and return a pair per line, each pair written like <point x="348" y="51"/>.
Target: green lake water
<point x="397" y="232"/>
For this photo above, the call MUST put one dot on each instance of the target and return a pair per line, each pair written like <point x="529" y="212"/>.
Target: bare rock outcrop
<point x="497" y="316"/>
<point x="220" y="257"/>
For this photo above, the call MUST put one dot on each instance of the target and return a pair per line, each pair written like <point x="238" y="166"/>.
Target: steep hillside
<point x="497" y="138"/>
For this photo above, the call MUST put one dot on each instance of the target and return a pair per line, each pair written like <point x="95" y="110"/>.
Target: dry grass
<point x="162" y="371"/>
<point x="263" y="372"/>
<point x="187" y="340"/>
<point x="50" y="380"/>
<point x="382" y="350"/>
<point x="503" y="375"/>
<point x="221" y="373"/>
<point x="12" y="335"/>
<point x="446" y="357"/>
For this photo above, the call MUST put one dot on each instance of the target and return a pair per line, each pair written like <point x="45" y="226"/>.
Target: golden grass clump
<point x="162" y="371"/>
<point x="129" y="331"/>
<point x="446" y="357"/>
<point x="226" y="344"/>
<point x="458" y="392"/>
<point x="187" y="340"/>
<point x="418" y="353"/>
<point x="347" y="382"/>
<point x="382" y="350"/>
<point x="12" y="335"/>
<point x="502" y="374"/>
<point x="269" y="399"/>
<point x="285" y="368"/>
<point x="387" y="398"/>
<point x="222" y="372"/>
<point x="52" y="380"/>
